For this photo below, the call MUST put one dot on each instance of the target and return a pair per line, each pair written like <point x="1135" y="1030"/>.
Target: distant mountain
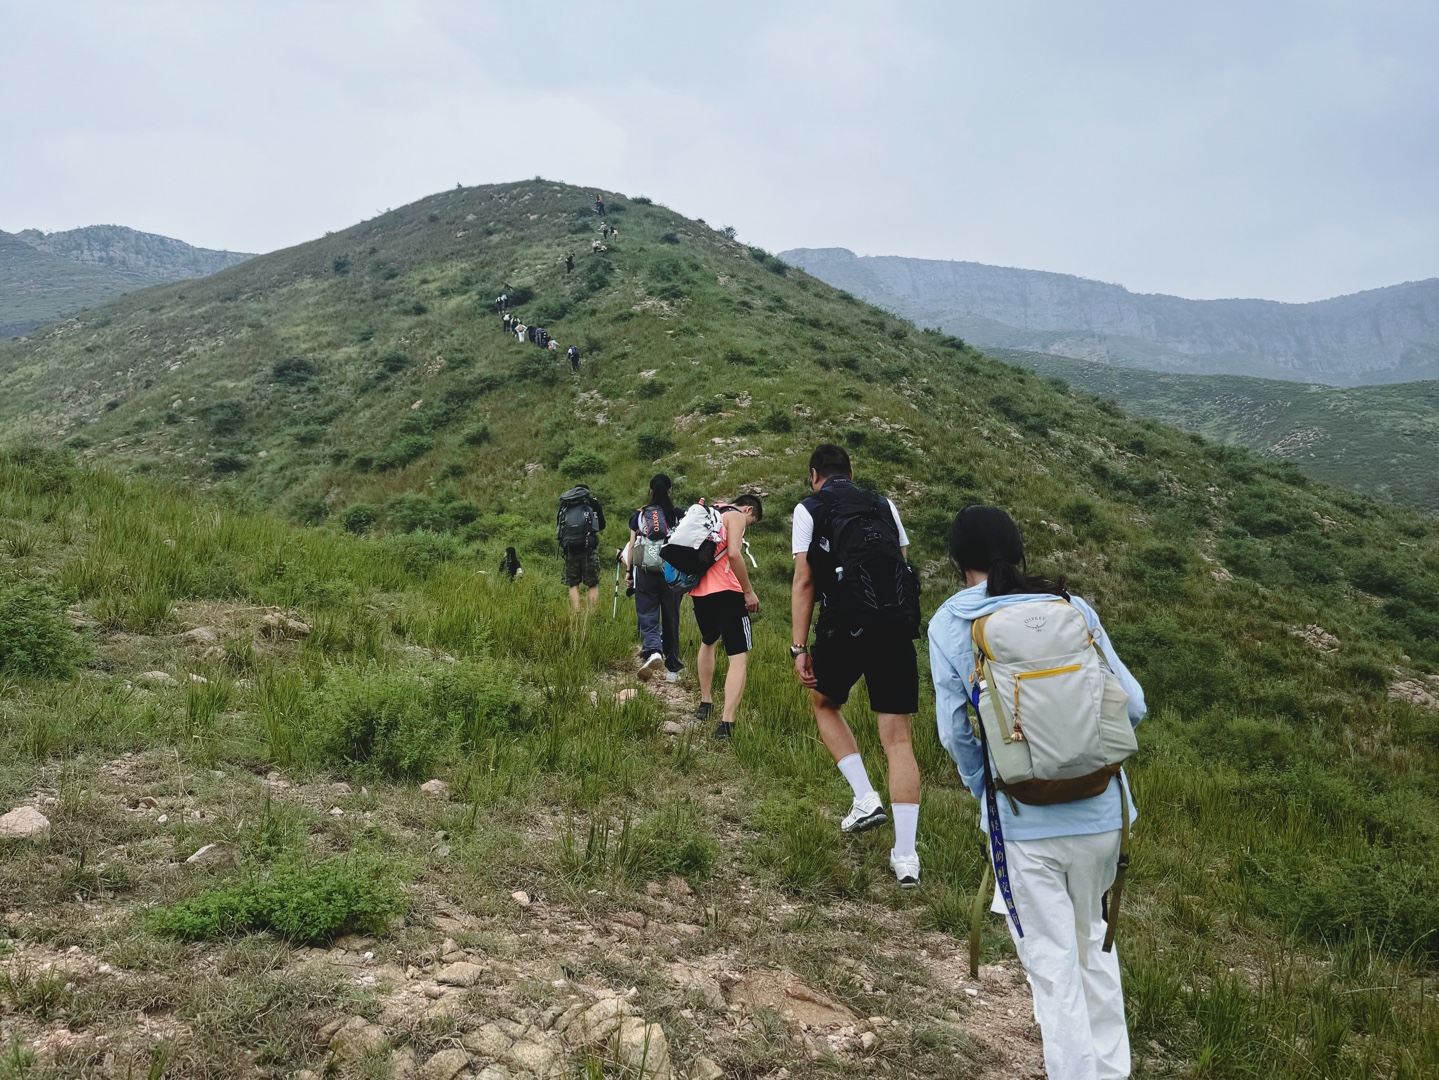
<point x="36" y="287"/>
<point x="44" y="276"/>
<point x="1378" y="440"/>
<point x="1380" y="336"/>
<point x="140" y="257"/>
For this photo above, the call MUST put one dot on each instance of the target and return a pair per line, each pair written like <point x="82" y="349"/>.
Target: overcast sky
<point x="1282" y="150"/>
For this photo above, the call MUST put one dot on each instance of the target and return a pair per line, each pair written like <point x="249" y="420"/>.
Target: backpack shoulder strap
<point x="976" y="633"/>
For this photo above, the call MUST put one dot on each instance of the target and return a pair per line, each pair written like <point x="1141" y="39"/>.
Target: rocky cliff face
<point x="139" y="257"/>
<point x="1380" y="336"/>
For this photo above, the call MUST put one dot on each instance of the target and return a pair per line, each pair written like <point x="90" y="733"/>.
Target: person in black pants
<point x="657" y="601"/>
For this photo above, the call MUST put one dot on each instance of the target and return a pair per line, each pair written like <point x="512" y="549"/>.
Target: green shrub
<point x="581" y="463"/>
<point x="392" y="363"/>
<point x="778" y="421"/>
<point x="307" y="510"/>
<point x="652" y="388"/>
<point x="303" y="904"/>
<point x="225" y="417"/>
<point x="421" y="551"/>
<point x="401" y="451"/>
<point x="654" y="444"/>
<point x="35" y="639"/>
<point x="477" y="435"/>
<point x="293" y="371"/>
<point x="359" y="518"/>
<point x="225" y="464"/>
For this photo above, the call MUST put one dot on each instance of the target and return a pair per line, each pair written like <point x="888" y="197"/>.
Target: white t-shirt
<point x="802" y="533"/>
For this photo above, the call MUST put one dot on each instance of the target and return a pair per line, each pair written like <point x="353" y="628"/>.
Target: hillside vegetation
<point x="1377" y="336"/>
<point x="1376" y="440"/>
<point x="1285" y="886"/>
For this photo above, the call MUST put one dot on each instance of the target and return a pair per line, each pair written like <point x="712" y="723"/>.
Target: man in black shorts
<point x="848" y="646"/>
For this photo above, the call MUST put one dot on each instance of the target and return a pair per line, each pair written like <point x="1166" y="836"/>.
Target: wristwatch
<point x="796" y="651"/>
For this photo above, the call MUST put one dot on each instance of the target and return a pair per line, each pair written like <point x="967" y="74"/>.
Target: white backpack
<point x="1055" y="718"/>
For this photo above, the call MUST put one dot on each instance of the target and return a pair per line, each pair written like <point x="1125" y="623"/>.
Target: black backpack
<point x="577" y="525"/>
<point x="863" y="578"/>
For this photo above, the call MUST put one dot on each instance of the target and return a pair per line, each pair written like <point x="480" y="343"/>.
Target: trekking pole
<point x="615" y="608"/>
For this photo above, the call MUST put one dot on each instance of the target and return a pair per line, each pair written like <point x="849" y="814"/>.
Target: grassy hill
<point x="1286" y="881"/>
<point x="1377" y="440"/>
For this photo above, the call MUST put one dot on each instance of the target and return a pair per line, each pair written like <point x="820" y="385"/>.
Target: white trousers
<point x="1057" y="884"/>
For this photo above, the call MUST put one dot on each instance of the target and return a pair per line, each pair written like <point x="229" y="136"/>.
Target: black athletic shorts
<point x="581" y="568"/>
<point x="885" y="659"/>
<point x="722" y="615"/>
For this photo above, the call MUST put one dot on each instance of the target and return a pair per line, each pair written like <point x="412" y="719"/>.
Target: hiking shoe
<point x="866" y="813"/>
<point x="724" y="731"/>
<point x="703" y="710"/>
<point x="649" y="662"/>
<point x="906" y="869"/>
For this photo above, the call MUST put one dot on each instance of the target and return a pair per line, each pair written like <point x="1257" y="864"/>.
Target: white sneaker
<point x="672" y="676"/>
<point x="906" y="869"/>
<point x="866" y="813"/>
<point x="649" y="662"/>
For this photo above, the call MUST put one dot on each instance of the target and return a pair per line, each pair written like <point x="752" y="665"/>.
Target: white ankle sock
<point x="853" y="768"/>
<point x="906" y="824"/>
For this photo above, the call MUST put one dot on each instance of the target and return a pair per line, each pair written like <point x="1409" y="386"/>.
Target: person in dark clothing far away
<point x="569" y="263"/>
<point x="502" y="302"/>
<point x="510" y="564"/>
<point x="507" y="321"/>
<point x="849" y="554"/>
<point x="657" y="601"/>
<point x="578" y="525"/>
<point x="599" y="205"/>
<point x="573" y="352"/>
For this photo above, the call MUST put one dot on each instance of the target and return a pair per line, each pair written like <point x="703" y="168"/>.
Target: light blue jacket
<point x="951" y="663"/>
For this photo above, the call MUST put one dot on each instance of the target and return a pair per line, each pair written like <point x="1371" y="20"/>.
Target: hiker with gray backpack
<point x="578" y="525"/>
<point x="655" y="583"/>
<point x="1038" y="712"/>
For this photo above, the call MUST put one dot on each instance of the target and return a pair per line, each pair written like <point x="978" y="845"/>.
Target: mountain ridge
<point x="1390" y="334"/>
<point x="142" y="257"/>
<point x="44" y="276"/>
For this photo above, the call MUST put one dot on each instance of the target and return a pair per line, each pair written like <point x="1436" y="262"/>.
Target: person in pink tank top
<point x="723" y="602"/>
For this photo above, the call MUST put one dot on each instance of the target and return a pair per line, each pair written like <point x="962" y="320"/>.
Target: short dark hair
<point x="829" y="460"/>
<point x="751" y="500"/>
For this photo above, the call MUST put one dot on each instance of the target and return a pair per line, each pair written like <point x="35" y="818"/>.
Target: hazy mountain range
<point x="1380" y="336"/>
<point x="47" y="275"/>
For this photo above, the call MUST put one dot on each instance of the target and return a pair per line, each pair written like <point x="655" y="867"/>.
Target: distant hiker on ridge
<point x="599" y="205"/>
<point x="849" y="554"/>
<point x="569" y="263"/>
<point x="506" y="321"/>
<point x="573" y="352"/>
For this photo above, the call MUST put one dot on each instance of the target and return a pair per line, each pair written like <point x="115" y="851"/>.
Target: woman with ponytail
<point x="657" y="604"/>
<point x="1060" y="859"/>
